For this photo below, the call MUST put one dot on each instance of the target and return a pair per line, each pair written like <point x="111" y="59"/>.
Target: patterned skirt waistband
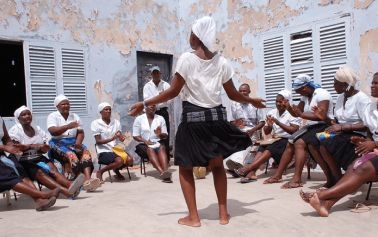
<point x="206" y="115"/>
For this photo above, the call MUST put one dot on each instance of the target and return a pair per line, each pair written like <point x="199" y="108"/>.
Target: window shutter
<point x="42" y="78"/>
<point x="74" y="86"/>
<point x="332" y="42"/>
<point x="301" y="48"/>
<point x="273" y="69"/>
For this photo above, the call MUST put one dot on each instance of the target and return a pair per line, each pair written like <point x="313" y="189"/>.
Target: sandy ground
<point x="145" y="206"/>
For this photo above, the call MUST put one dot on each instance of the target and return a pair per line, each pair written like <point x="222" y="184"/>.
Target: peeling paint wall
<point x="114" y="30"/>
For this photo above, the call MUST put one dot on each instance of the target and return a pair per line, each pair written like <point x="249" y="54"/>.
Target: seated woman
<point x="338" y="152"/>
<point x="312" y="95"/>
<point x="107" y="133"/>
<point x="364" y="169"/>
<point x="13" y="176"/>
<point x="66" y="142"/>
<point x="32" y="140"/>
<point x="280" y="123"/>
<point x="149" y="129"/>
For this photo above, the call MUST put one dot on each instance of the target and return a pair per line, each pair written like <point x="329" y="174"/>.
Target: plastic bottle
<point x="324" y="135"/>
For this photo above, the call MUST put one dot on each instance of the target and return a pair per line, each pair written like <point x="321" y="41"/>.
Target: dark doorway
<point x="145" y="60"/>
<point x="12" y="89"/>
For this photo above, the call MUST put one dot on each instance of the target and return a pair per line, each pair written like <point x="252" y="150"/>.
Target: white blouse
<point x="99" y="127"/>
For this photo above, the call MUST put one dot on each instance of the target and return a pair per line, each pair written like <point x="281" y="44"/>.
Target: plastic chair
<point x="110" y="176"/>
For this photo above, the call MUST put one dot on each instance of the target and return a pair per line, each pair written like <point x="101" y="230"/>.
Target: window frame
<point x="60" y="81"/>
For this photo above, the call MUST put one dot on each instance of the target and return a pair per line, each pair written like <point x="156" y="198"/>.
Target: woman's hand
<point x="270" y="121"/>
<point x="135" y="109"/>
<point x="73" y="124"/>
<point x="258" y="102"/>
<point x="158" y="130"/>
<point x="13" y="149"/>
<point x="364" y="147"/>
<point x="297" y="111"/>
<point x="336" y="128"/>
<point x="44" y="148"/>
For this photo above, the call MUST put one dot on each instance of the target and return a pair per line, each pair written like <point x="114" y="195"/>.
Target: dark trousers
<point x="164" y="113"/>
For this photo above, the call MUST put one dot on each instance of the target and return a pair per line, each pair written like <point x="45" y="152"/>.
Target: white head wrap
<point x="347" y="75"/>
<point x="59" y="99"/>
<point x="205" y="29"/>
<point x="18" y="111"/>
<point x="285" y="93"/>
<point x="102" y="106"/>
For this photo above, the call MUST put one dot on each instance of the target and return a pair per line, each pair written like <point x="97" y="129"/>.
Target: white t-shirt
<point x="55" y="119"/>
<point x="151" y="90"/>
<point x="16" y="133"/>
<point x="354" y="108"/>
<point x="204" y="79"/>
<point x="320" y="94"/>
<point x="370" y="119"/>
<point x="142" y="128"/>
<point x="285" y="118"/>
<point x="99" y="127"/>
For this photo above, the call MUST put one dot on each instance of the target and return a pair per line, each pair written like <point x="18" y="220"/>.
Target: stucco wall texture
<point x="113" y="31"/>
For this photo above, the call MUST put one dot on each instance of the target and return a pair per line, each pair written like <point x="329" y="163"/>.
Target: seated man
<point x="248" y="119"/>
<point x="280" y="124"/>
<point x="107" y="133"/>
<point x="149" y="129"/>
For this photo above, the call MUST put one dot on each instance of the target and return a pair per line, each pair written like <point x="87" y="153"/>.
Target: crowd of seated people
<point x="27" y="152"/>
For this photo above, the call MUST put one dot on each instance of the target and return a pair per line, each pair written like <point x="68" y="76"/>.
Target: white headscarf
<point x="347" y="75"/>
<point x="102" y="106"/>
<point x="18" y="111"/>
<point x="286" y="94"/>
<point x="59" y="99"/>
<point x="205" y="29"/>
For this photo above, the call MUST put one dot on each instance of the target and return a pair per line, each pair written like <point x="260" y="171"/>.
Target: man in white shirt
<point x="250" y="120"/>
<point x="152" y="88"/>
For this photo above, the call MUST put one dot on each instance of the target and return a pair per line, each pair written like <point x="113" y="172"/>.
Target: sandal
<point x="245" y="180"/>
<point x="240" y="172"/>
<point x="290" y="185"/>
<point x="272" y="180"/>
<point x="360" y="208"/>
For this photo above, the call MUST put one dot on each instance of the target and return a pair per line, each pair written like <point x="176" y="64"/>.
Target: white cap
<point x="155" y="68"/>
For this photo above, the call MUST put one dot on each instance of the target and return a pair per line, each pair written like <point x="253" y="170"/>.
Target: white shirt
<point x="354" y="108"/>
<point x="247" y="112"/>
<point x="55" y="119"/>
<point x="151" y="90"/>
<point x="99" y="127"/>
<point x="285" y="118"/>
<point x="142" y="128"/>
<point x="16" y="133"/>
<point x="370" y="119"/>
<point x="320" y="94"/>
<point x="204" y="79"/>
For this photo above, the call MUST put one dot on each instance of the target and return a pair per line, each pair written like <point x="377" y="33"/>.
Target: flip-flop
<point x="51" y="201"/>
<point x="305" y="195"/>
<point x="290" y="185"/>
<point x="76" y="184"/>
<point x="361" y="208"/>
<point x="272" y="180"/>
<point x="245" y="180"/>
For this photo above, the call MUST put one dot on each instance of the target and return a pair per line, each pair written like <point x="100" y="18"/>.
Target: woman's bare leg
<point x="189" y="190"/>
<point x="220" y="184"/>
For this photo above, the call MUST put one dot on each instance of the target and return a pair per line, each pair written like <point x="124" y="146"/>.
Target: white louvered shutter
<point x="273" y="69"/>
<point x="43" y="81"/>
<point x="74" y="82"/>
<point x="333" y="53"/>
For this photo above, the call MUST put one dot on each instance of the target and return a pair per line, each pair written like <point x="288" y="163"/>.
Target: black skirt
<point x="341" y="149"/>
<point x="204" y="134"/>
<point x="276" y="149"/>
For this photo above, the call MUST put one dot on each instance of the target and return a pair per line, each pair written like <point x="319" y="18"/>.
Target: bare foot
<point x="224" y="220"/>
<point x="189" y="222"/>
<point x="318" y="205"/>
